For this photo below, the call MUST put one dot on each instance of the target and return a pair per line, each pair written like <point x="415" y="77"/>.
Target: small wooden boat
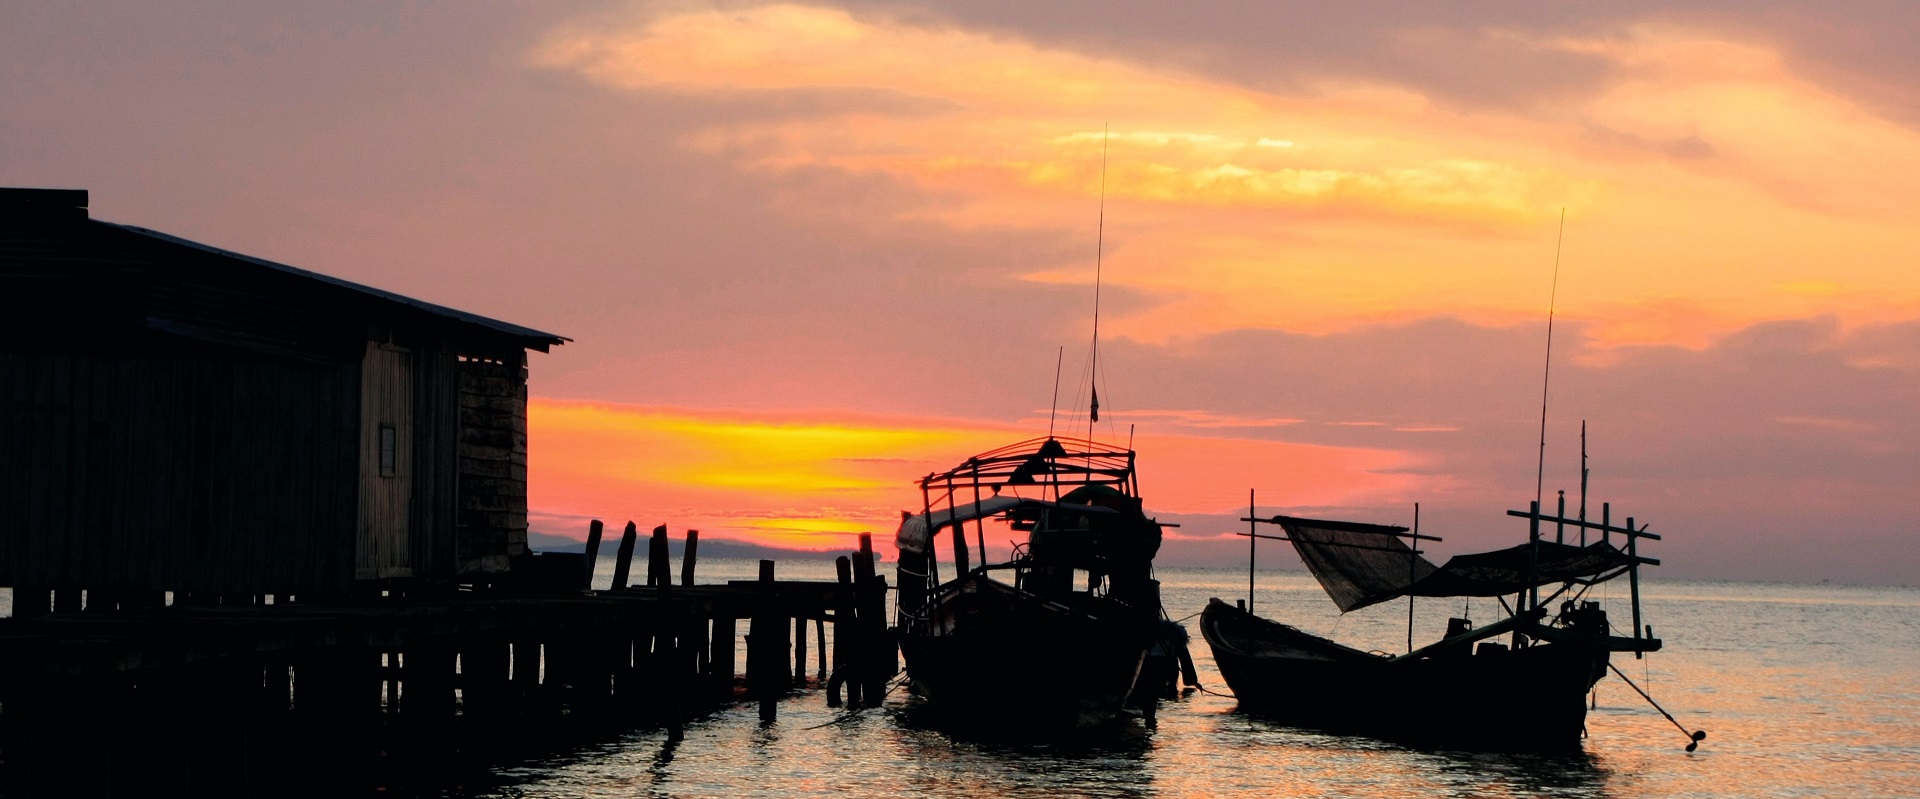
<point x="1465" y="691"/>
<point x="1061" y="643"/>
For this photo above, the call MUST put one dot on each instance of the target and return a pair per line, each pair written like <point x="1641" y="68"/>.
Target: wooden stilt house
<point x="177" y="417"/>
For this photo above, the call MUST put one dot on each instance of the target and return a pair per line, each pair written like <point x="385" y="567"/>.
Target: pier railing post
<point x="658" y="568"/>
<point x="623" y="559"/>
<point x="592" y="554"/>
<point x="687" y="558"/>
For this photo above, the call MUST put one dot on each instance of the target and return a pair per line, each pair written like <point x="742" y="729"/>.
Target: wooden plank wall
<point x="177" y="474"/>
<point x="384" y="547"/>
<point x="492" y="525"/>
<point x="436" y="461"/>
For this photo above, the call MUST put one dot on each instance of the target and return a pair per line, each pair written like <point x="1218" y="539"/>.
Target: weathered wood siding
<point x="436" y="462"/>
<point x="493" y="464"/>
<point x="179" y="417"/>
<point x="177" y="473"/>
<point x="384" y="548"/>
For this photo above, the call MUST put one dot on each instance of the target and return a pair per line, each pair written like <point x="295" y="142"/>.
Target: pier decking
<point x="231" y="698"/>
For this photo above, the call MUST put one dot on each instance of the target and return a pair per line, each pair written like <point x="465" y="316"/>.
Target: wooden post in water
<point x="844" y="633"/>
<point x="687" y="557"/>
<point x="875" y="651"/>
<point x="592" y="553"/>
<point x="820" y="637"/>
<point x="883" y="656"/>
<point x="658" y="569"/>
<point x="623" y="559"/>
<point x="666" y="652"/>
<point x="722" y="663"/>
<point x="767" y="676"/>
<point x="799" y="650"/>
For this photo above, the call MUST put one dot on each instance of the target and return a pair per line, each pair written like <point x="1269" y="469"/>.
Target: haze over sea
<point x="1805" y="690"/>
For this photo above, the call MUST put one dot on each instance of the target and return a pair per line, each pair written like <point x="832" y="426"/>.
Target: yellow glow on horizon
<point x="1707" y="185"/>
<point x="813" y="480"/>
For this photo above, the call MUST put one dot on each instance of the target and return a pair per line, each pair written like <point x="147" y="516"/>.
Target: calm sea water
<point x="1804" y="691"/>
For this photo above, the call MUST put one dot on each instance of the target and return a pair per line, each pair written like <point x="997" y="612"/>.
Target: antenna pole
<point x="1099" y="252"/>
<point x="1413" y="560"/>
<point x="1583" y="482"/>
<point x="1540" y="478"/>
<point x="1054" y="410"/>
<point x="1252" y="541"/>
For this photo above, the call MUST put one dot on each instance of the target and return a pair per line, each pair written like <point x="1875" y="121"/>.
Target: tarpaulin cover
<point x="1365" y="564"/>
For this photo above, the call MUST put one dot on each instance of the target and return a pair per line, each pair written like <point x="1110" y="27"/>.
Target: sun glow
<point x="813" y="480"/>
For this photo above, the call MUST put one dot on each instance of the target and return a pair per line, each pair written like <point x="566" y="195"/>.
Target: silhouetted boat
<point x="1464" y="691"/>
<point x="1061" y="644"/>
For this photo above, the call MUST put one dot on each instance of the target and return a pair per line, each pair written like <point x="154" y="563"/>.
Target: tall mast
<point x="1099" y="252"/>
<point x="1540" y="478"/>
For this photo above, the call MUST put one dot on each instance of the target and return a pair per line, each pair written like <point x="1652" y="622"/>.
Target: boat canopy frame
<point x="973" y="492"/>
<point x="1584" y="565"/>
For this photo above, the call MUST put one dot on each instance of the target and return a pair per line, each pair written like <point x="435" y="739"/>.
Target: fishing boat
<point x="1467" y="690"/>
<point x="1055" y="636"/>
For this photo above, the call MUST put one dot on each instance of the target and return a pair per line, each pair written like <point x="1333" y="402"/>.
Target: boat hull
<point x="1008" y="660"/>
<point x="1524" y="699"/>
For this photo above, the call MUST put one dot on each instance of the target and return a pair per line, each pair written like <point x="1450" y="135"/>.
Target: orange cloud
<point x="1705" y="174"/>
<point x="814" y="479"/>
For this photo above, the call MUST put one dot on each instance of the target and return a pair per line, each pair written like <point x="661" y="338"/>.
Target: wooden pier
<point x="238" y="698"/>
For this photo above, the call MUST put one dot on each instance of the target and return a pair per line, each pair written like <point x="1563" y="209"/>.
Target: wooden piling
<point x="725" y="632"/>
<point x="767" y="675"/>
<point x="820" y="637"/>
<point x="878" y="658"/>
<point x="623" y="559"/>
<point x="667" y="652"/>
<point x="687" y="557"/>
<point x="799" y="650"/>
<point x="592" y="553"/>
<point x="658" y="569"/>
<point x="845" y="632"/>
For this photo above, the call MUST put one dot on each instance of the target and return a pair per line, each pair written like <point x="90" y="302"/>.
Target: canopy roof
<point x="914" y="535"/>
<point x="1365" y="564"/>
<point x="1051" y="460"/>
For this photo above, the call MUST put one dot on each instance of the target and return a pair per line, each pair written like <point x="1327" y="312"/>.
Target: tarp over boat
<point x="1365" y="564"/>
<point x="914" y="535"/>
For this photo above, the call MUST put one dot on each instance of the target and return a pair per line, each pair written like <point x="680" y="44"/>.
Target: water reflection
<point x="1476" y="774"/>
<point x="944" y="760"/>
<point x="1788" y="718"/>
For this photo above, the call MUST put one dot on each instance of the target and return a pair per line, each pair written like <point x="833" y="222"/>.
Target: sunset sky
<point x="809" y="252"/>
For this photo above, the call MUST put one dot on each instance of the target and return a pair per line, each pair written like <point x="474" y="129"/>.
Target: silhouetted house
<point x="177" y="417"/>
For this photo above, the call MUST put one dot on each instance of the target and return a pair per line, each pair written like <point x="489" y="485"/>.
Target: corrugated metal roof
<point x="529" y="337"/>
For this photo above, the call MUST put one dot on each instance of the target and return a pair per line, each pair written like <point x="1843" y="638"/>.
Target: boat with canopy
<point x="1055" y="636"/>
<point x="1467" y="690"/>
